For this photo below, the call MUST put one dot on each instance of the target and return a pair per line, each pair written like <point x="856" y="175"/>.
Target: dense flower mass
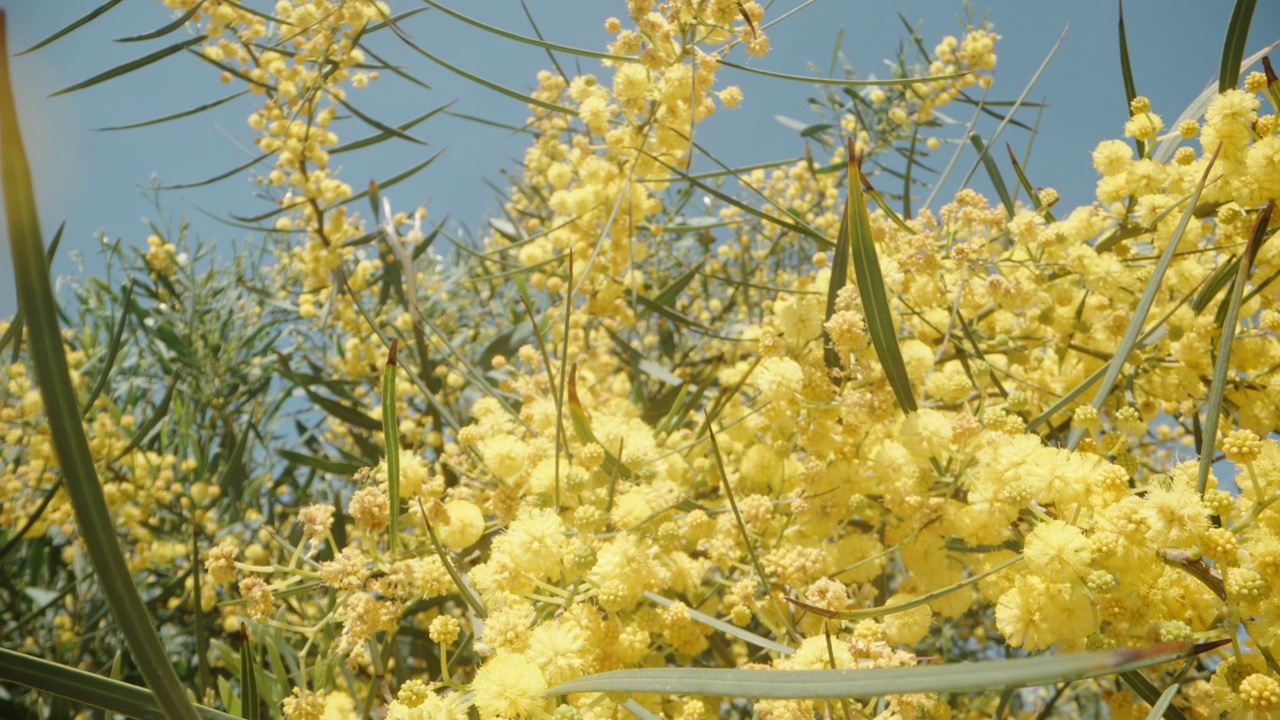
<point x="673" y="436"/>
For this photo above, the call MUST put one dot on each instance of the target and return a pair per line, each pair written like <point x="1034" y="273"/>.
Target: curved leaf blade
<point x="875" y="301"/>
<point x="130" y="66"/>
<point x="875" y="682"/>
<point x="93" y="518"/>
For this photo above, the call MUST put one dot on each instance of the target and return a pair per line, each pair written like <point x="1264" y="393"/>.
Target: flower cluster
<point x="694" y="449"/>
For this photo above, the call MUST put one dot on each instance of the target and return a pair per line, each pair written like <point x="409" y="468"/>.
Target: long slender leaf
<point x="816" y="80"/>
<point x="337" y="467"/>
<point x="839" y="278"/>
<point x="726" y="627"/>
<point x="765" y="584"/>
<point x="1160" y="701"/>
<point x="220" y="176"/>
<point x="526" y="40"/>
<point x="487" y="83"/>
<point x="88" y="688"/>
<point x="1126" y="72"/>
<point x="875" y="301"/>
<point x="995" y="136"/>
<point x="112" y="351"/>
<point x="391" y="434"/>
<point x="250" y="703"/>
<point x="874" y="682"/>
<point x="1130" y="337"/>
<point x="167" y="28"/>
<point x="130" y="66"/>
<point x="174" y="116"/>
<point x="1027" y="186"/>
<point x="96" y="526"/>
<point x="993" y="173"/>
<point x="375" y="139"/>
<point x="1222" y="363"/>
<point x="75" y="25"/>
<point x="378" y="124"/>
<point x="1233" y="45"/>
<point x="469" y="596"/>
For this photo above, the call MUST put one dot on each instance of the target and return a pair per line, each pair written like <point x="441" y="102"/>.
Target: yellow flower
<point x="509" y="687"/>
<point x="464" y="527"/>
<point x="1057" y="551"/>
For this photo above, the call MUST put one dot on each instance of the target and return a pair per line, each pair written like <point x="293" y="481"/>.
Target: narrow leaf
<point x="88" y="688"/>
<point x="75" y="25"/>
<point x="1126" y="72"/>
<point x="250" y="703"/>
<point x="1233" y="45"/>
<point x="48" y="355"/>
<point x="468" y="595"/>
<point x="130" y="66"/>
<point x="378" y="124"/>
<point x="1128" y="341"/>
<point x="375" y="139"/>
<point x="839" y="278"/>
<point x="181" y="114"/>
<point x="167" y="28"/>
<point x="487" y="83"/>
<point x="391" y="434"/>
<point x="993" y="173"/>
<point x="970" y="677"/>
<point x="887" y="82"/>
<point x="526" y="40"/>
<point x="875" y="301"/>
<point x="336" y="467"/>
<point x="727" y="628"/>
<point x="1222" y="363"/>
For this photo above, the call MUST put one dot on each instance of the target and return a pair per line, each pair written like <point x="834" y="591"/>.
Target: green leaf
<point x="875" y="301"/>
<point x="1008" y="118"/>
<point x="375" y="139"/>
<point x="727" y="628"/>
<point x="391" y="435"/>
<point x="176" y="24"/>
<point x="582" y="426"/>
<point x="378" y="124"/>
<point x="487" y="83"/>
<point x="220" y="176"/>
<point x="113" y="350"/>
<point x="1126" y="72"/>
<point x="346" y="413"/>
<point x="927" y="597"/>
<point x="839" y="278"/>
<point x="1233" y="45"/>
<point x="130" y="66"/>
<point x="1027" y="186"/>
<point x="526" y="40"/>
<point x="1129" y="340"/>
<point x="181" y="114"/>
<point x="88" y="688"/>
<point x="971" y="677"/>
<point x="816" y="80"/>
<point x="1160" y="702"/>
<point x="993" y="173"/>
<point x="93" y="518"/>
<point x="468" y="595"/>
<point x="727" y="489"/>
<point x="336" y="467"/>
<point x="75" y="25"/>
<point x="250" y="703"/>
<point x="1222" y="363"/>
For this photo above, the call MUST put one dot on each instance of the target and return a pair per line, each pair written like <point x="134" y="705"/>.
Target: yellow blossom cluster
<point x="701" y="453"/>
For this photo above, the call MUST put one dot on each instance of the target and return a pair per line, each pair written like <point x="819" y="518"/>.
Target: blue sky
<point x="93" y="180"/>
